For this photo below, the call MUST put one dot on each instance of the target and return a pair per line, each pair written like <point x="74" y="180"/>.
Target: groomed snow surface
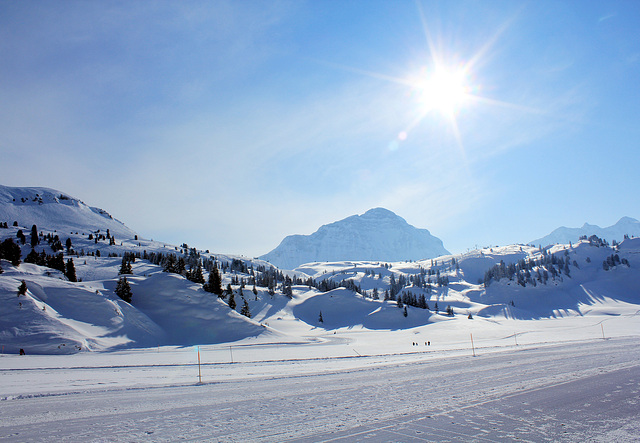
<point x="565" y="389"/>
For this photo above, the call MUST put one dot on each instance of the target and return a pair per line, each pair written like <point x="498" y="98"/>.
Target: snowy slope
<point x="58" y="316"/>
<point x="378" y="234"/>
<point x="564" y="235"/>
<point x="357" y="298"/>
<point x="53" y="210"/>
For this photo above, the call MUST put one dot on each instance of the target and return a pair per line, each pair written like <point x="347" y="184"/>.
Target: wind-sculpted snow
<point x="378" y="234"/>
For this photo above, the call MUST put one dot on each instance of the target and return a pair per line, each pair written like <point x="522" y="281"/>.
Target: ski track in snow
<point x="579" y="391"/>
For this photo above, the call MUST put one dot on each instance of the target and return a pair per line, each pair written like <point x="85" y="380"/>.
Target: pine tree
<point x="10" y="251"/>
<point x="287" y="290"/>
<point x="22" y="289"/>
<point x="320" y="319"/>
<point x="405" y="311"/>
<point x="197" y="275"/>
<point x="245" y="309"/>
<point x="21" y="236"/>
<point x="214" y="285"/>
<point x="70" y="271"/>
<point x="170" y="264"/>
<point x="125" y="267"/>
<point x="123" y="290"/>
<point x="181" y="266"/>
<point x="34" y="236"/>
<point x="68" y="245"/>
<point x="228" y="291"/>
<point x="232" y="300"/>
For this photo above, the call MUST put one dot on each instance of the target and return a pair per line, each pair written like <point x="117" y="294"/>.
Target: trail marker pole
<point x="515" y="336"/>
<point x="199" y="371"/>
<point x="472" y="347"/>
<point x="602" y="327"/>
<point x="231" y="352"/>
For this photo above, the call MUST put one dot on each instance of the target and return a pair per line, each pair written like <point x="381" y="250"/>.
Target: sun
<point x="443" y="89"/>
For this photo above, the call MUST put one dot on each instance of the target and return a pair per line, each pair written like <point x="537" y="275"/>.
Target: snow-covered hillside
<point x="378" y="234"/>
<point x="563" y="235"/>
<point x="377" y="304"/>
<point x="50" y="209"/>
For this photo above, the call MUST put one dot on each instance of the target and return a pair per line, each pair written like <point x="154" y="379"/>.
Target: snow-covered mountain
<point x="563" y="235"/>
<point x="378" y="234"/>
<point x="50" y="209"/>
<point x="338" y="302"/>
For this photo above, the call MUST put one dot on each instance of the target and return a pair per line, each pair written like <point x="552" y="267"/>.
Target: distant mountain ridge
<point x="378" y="234"/>
<point x="563" y="235"/>
<point x="52" y="209"/>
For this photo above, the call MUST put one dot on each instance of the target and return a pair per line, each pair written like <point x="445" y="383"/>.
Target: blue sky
<point x="231" y="124"/>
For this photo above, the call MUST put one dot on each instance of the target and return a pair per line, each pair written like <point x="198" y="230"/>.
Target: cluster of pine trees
<point x="531" y="271"/>
<point x="10" y="251"/>
<point x="612" y="261"/>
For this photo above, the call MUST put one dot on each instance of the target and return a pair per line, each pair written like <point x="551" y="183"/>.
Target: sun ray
<point x="372" y="74"/>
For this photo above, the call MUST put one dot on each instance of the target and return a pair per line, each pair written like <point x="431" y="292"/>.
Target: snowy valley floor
<point x="578" y="390"/>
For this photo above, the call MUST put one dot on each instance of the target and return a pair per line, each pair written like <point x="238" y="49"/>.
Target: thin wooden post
<point x="231" y="352"/>
<point x="602" y="327"/>
<point x="515" y="336"/>
<point x="199" y="371"/>
<point x="472" y="347"/>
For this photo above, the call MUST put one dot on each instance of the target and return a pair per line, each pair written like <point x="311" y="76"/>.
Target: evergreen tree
<point x="34" y="236"/>
<point x="56" y="262"/>
<point x="245" y="309"/>
<point x="22" y="289"/>
<point x="232" y="300"/>
<point x="215" y="283"/>
<point x="70" y="271"/>
<point x="170" y="264"/>
<point x="21" y="236"/>
<point x="320" y="319"/>
<point x="125" y="267"/>
<point x="123" y="290"/>
<point x="10" y="251"/>
<point x="181" y="266"/>
<point x="286" y="287"/>
<point x="68" y="245"/>
<point x="405" y="311"/>
<point x="197" y="276"/>
<point x="228" y="291"/>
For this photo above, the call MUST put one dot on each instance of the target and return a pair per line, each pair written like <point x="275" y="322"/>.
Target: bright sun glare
<point x="442" y="89"/>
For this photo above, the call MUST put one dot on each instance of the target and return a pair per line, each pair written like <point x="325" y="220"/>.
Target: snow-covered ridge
<point x="54" y="210"/>
<point x="563" y="235"/>
<point x="342" y="301"/>
<point x="378" y="234"/>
